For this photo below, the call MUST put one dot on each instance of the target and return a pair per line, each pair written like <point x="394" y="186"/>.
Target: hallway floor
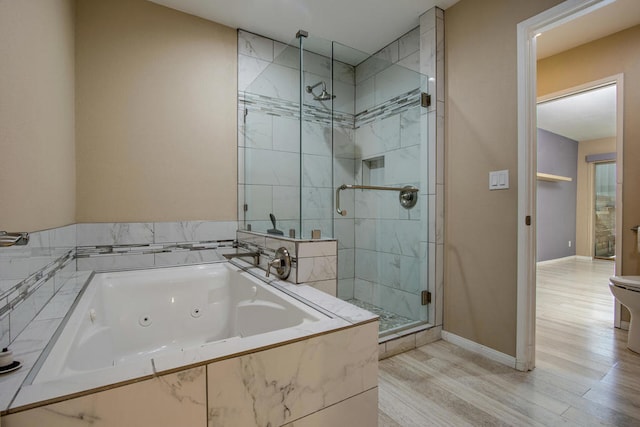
<point x="584" y="376"/>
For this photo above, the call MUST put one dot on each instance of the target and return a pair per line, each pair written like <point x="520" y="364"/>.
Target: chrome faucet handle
<point x="281" y="264"/>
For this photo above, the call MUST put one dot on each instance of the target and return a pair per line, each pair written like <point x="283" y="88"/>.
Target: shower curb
<point x="395" y="344"/>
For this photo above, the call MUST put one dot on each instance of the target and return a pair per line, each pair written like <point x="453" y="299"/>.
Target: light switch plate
<point x="499" y="180"/>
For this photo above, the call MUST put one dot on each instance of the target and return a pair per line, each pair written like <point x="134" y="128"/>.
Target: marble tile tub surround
<point x="121" y="246"/>
<point x="347" y="322"/>
<point x="31" y="342"/>
<point x="314" y="262"/>
<point x="31" y="275"/>
<point x="274" y="387"/>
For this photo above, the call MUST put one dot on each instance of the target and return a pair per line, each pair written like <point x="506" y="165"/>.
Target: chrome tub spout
<point x="254" y="255"/>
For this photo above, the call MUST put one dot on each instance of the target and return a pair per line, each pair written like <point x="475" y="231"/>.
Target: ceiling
<point x="614" y="17"/>
<point x="366" y="25"/>
<point x="369" y="25"/>
<point x="587" y="115"/>
<point x="581" y="117"/>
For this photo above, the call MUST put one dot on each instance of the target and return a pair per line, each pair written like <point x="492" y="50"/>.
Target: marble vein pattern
<point x="30" y="276"/>
<point x="286" y="383"/>
<point x="317" y="268"/>
<point x="168" y="400"/>
<point x="124" y="233"/>
<point x="357" y="411"/>
<point x="28" y="345"/>
<point x="194" y="231"/>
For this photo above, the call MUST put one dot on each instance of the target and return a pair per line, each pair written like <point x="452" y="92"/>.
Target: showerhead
<point x="324" y="95"/>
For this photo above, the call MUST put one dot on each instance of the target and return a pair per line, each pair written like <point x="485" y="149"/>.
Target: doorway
<point x="528" y="31"/>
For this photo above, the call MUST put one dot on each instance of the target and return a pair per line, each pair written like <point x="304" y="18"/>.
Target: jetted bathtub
<point x="132" y="317"/>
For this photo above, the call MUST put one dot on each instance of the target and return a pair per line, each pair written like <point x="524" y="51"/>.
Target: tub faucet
<point x="254" y="255"/>
<point x="281" y="264"/>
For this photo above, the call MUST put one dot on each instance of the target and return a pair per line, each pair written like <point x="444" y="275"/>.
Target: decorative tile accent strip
<point x="283" y="108"/>
<point x="27" y="287"/>
<point x="389" y="108"/>
<point x="110" y="250"/>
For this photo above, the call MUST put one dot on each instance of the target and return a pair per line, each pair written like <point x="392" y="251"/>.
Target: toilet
<point x="626" y="289"/>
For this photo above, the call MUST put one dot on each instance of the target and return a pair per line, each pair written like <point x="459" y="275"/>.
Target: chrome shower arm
<point x="312" y="87"/>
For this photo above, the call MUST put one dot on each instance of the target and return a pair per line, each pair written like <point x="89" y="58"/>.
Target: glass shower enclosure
<point x="334" y="139"/>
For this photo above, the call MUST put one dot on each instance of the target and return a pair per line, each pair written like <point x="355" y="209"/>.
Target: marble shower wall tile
<point x="346" y="289"/>
<point x="167" y="400"/>
<point x="286" y="205"/>
<point x="259" y="201"/>
<point x="255" y="46"/>
<point x="409" y="43"/>
<point x="346" y="263"/>
<point x="286" y="134"/>
<point x="287" y="383"/>
<point x="258" y="131"/>
<point x="286" y="54"/>
<point x="316" y="171"/>
<point x="276" y="81"/>
<point x="344" y="232"/>
<point x="194" y="231"/>
<point x="378" y="137"/>
<point x="272" y="167"/>
<point x="317" y="203"/>
<point x="116" y="262"/>
<point x="120" y="233"/>
<point x="394" y="81"/>
<point x="316" y="138"/>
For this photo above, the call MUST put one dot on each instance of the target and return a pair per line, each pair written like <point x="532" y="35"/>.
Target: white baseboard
<point x="567" y="258"/>
<point x="474" y="347"/>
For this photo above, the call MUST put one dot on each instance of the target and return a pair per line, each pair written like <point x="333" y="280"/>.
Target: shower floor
<point x="388" y="320"/>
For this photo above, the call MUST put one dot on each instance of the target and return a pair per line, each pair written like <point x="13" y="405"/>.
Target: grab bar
<point x="10" y="239"/>
<point x="408" y="194"/>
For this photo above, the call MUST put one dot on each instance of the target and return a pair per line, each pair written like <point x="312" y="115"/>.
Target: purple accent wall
<point x="556" y="215"/>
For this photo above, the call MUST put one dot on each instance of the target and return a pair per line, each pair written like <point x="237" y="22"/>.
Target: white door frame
<point x="527" y="159"/>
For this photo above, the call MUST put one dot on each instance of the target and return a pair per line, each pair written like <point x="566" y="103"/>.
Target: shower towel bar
<point x="10" y="239"/>
<point x="408" y="194"/>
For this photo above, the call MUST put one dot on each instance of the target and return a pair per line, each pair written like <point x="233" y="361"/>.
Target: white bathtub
<point x="133" y="317"/>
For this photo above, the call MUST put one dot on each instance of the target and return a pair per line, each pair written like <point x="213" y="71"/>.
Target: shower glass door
<point x="269" y="148"/>
<point x="380" y="140"/>
<point x="605" y="210"/>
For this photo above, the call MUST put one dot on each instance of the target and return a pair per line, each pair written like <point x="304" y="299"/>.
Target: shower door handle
<point x="408" y="194"/>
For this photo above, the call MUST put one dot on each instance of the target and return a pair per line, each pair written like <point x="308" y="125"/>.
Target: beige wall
<point x="156" y="114"/>
<point x="584" y="197"/>
<point x="37" y="175"/>
<point x="481" y="135"/>
<point x="602" y="58"/>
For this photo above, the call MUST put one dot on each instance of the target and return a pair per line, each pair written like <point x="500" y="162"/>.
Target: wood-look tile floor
<point x="584" y="373"/>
